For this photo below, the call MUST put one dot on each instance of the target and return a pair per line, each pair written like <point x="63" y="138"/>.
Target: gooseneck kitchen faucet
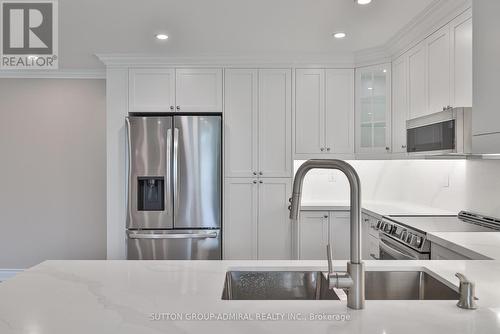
<point x="354" y="278"/>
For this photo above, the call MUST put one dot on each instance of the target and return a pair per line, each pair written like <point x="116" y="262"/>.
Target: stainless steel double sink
<point x="313" y="285"/>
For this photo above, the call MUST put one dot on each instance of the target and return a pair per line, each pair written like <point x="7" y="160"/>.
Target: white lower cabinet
<point x="372" y="247"/>
<point x="256" y="224"/>
<point x="318" y="228"/>
<point x="439" y="252"/>
<point x="313" y="235"/>
<point x="369" y="238"/>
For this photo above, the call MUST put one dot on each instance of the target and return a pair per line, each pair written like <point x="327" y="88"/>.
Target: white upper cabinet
<point x="180" y="90"/>
<point x="258" y="120"/>
<point x="240" y="118"/>
<point x="324" y="112"/>
<point x="417" y="81"/>
<point x="461" y="60"/>
<point x="373" y="109"/>
<point x="438" y="70"/>
<point x="151" y="90"/>
<point x="339" y="111"/>
<point x="486" y="69"/>
<point x="309" y="111"/>
<point x="199" y="90"/>
<point x="399" y="104"/>
<point x="275" y="123"/>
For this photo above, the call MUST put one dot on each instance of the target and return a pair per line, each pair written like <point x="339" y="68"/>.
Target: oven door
<point x="394" y="250"/>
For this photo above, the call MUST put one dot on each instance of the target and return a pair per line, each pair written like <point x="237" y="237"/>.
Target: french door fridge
<point x="174" y="187"/>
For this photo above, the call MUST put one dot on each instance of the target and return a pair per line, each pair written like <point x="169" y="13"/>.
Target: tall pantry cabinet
<point x="258" y="164"/>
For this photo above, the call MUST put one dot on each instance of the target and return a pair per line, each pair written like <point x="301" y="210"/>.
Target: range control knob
<point x="379" y="224"/>
<point x="387" y="228"/>
<point x="408" y="238"/>
<point x="393" y="229"/>
<point x="403" y="235"/>
<point x="417" y="241"/>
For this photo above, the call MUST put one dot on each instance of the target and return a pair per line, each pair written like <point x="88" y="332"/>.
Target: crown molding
<point x="53" y="74"/>
<point x="124" y="60"/>
<point x="437" y="14"/>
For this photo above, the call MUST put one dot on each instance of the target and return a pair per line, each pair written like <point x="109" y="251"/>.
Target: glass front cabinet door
<point x="373" y="109"/>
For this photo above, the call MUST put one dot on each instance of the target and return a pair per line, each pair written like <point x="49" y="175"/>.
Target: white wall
<point x="451" y="185"/>
<point x="52" y="170"/>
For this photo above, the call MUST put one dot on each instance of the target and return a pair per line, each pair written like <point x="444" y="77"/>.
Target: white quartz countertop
<point x="379" y="208"/>
<point x="82" y="297"/>
<point x="470" y="244"/>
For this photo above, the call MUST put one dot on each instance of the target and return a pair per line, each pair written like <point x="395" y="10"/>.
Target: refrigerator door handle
<point x="176" y="169"/>
<point x="168" y="186"/>
<point x="212" y="235"/>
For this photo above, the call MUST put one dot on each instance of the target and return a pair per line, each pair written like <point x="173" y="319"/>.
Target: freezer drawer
<point x="174" y="245"/>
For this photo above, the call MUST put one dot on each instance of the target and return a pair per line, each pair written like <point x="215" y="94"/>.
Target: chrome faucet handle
<point x="339" y="280"/>
<point x="329" y="257"/>
<point x="467" y="293"/>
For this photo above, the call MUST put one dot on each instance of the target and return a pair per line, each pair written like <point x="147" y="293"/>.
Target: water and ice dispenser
<point x="151" y="194"/>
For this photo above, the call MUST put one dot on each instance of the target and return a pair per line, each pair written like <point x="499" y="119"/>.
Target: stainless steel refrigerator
<point x="174" y="187"/>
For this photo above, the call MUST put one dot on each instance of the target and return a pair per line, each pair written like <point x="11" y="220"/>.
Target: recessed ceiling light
<point x="385" y="71"/>
<point x="362" y="2"/>
<point x="161" y="37"/>
<point x="339" y="35"/>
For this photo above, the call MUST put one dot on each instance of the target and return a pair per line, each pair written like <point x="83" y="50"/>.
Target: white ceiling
<point x="297" y="29"/>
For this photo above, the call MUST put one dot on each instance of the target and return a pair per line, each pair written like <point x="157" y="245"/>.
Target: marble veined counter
<point x="153" y="297"/>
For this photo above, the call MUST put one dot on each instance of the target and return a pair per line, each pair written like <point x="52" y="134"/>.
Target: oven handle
<point x="386" y="247"/>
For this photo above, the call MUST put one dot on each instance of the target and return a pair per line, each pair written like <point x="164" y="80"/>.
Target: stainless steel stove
<point x="405" y="237"/>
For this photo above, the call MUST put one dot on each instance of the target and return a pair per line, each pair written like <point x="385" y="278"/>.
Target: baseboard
<point x="5" y="274"/>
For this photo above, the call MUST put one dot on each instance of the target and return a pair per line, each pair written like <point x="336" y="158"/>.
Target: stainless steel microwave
<point x="445" y="132"/>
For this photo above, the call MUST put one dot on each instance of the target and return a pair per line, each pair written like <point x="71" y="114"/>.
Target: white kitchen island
<point x="82" y="297"/>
